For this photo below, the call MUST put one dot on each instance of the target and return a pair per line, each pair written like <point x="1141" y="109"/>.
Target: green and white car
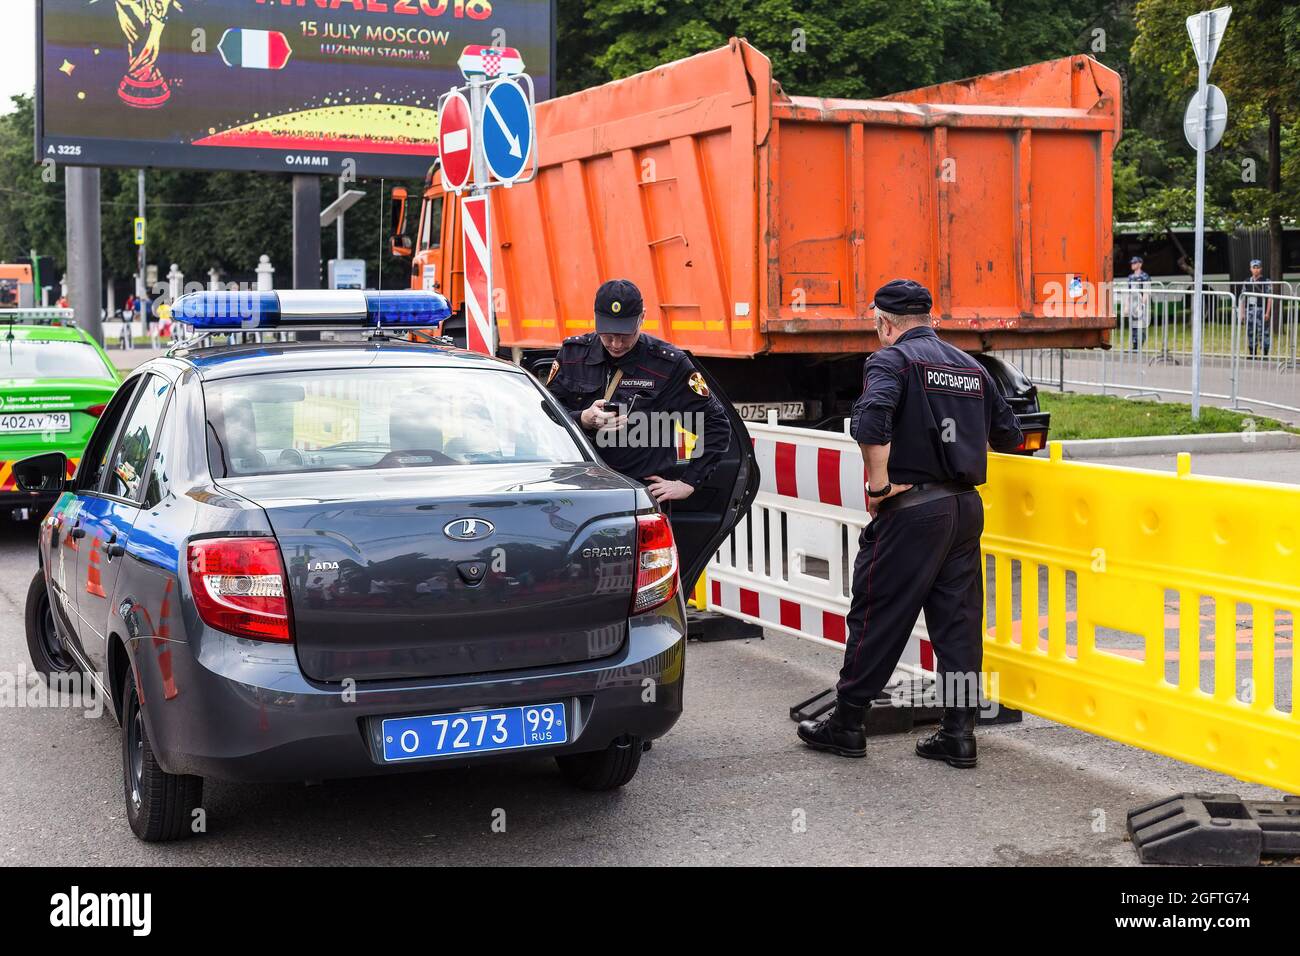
<point x="55" y="381"/>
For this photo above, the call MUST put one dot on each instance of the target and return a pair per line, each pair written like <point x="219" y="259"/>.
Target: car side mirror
<point x="42" y="473"/>
<point x="401" y="247"/>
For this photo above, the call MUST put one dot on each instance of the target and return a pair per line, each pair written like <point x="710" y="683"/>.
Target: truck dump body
<point x="756" y="223"/>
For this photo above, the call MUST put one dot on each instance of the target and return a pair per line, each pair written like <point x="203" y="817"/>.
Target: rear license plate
<point x="757" y="411"/>
<point x="37" y="422"/>
<point x="475" y="731"/>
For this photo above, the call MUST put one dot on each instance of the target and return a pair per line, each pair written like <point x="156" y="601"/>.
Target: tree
<point x="824" y="47"/>
<point x="1258" y="68"/>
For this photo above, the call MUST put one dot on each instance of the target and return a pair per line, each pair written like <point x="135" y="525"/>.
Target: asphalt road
<point x="729" y="785"/>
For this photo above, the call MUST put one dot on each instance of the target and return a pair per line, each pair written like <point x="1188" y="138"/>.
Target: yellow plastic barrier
<point x="1148" y="608"/>
<point x="699" y="597"/>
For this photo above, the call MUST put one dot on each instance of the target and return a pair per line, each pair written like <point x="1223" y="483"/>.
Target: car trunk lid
<point x="429" y="572"/>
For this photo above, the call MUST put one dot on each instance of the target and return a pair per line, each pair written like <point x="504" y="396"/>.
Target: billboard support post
<point x="306" y="232"/>
<point x="339" y="225"/>
<point x="84" y="271"/>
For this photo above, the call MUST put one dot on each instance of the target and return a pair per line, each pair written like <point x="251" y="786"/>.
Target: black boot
<point x="842" y="731"/>
<point x="954" y="741"/>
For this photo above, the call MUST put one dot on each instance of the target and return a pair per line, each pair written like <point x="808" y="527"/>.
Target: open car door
<point x="702" y="522"/>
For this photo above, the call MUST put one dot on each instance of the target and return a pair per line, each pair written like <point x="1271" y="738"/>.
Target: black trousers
<point x="922" y="558"/>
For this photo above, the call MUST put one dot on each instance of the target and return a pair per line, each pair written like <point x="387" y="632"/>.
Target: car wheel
<point x="44" y="645"/>
<point x="159" y="805"/>
<point x="606" y="769"/>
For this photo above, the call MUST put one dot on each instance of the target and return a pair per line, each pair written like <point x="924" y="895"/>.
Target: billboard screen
<point x="298" y="86"/>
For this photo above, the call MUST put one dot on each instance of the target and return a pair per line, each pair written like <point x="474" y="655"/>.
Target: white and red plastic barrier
<point x="788" y="565"/>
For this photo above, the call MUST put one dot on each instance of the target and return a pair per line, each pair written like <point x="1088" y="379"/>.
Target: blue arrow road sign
<point x="507" y="129"/>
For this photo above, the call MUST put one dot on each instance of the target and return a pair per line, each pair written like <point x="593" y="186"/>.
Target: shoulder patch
<point x="698" y="385"/>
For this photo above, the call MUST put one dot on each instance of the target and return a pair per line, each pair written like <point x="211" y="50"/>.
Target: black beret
<point x="618" y="307"/>
<point x="903" y="297"/>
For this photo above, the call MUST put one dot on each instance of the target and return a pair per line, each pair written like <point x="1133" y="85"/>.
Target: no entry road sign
<point x="455" y="141"/>
<point x="507" y="129"/>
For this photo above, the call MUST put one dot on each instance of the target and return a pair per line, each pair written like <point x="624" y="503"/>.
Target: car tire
<point x="44" y="645"/>
<point x="606" y="769"/>
<point x="159" y="805"/>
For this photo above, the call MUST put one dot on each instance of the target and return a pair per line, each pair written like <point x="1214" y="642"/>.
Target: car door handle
<point x="112" y="548"/>
<point x="78" y="533"/>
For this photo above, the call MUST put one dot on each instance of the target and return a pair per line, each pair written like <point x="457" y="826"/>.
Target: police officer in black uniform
<point x="927" y="415"/>
<point x="614" y="380"/>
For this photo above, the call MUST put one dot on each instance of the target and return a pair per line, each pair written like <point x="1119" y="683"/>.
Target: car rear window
<point x="36" y="358"/>
<point x="342" y="420"/>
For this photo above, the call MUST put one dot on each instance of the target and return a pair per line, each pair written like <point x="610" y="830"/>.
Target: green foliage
<point x="860" y="48"/>
<point x="846" y="48"/>
<point x="1257" y="69"/>
<point x="1104" y="416"/>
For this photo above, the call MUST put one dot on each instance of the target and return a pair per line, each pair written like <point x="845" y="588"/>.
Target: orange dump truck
<point x="757" y="224"/>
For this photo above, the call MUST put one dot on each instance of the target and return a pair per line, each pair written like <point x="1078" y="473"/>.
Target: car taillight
<point x="1032" y="441"/>
<point x="239" y="587"/>
<point x="94" y="411"/>
<point x="656" y="563"/>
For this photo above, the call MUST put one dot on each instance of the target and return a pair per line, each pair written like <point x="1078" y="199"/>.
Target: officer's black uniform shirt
<point x="937" y="406"/>
<point x="661" y="379"/>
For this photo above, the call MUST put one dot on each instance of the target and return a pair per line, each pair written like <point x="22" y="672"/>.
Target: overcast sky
<point x="17" y="50"/>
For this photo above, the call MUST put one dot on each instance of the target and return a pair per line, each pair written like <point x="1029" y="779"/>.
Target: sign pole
<point x="479" y="157"/>
<point x="1198" y="279"/>
<point x="477" y="96"/>
<point x="141" y="286"/>
<point x="1205" y="30"/>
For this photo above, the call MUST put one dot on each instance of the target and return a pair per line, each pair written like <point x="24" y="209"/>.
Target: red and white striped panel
<point x="802" y="619"/>
<point x="824" y="472"/>
<point x="480" y="325"/>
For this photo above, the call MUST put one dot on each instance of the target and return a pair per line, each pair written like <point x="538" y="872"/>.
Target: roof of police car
<point x="225" y="361"/>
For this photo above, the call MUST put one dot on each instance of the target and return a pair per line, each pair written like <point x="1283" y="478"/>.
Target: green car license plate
<point x="36" y="422"/>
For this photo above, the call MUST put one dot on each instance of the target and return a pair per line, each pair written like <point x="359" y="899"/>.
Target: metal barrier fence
<point x="1250" y="349"/>
<point x="1154" y="609"/>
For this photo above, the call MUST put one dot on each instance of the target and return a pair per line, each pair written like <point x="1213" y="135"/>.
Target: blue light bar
<point x="421" y="309"/>
<point x="216" y="311"/>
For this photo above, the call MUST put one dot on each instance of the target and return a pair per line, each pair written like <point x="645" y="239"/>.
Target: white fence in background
<point x="1250" y="349"/>
<point x="788" y="565"/>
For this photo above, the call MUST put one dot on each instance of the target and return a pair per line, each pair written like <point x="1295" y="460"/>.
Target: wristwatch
<point x="881" y="492"/>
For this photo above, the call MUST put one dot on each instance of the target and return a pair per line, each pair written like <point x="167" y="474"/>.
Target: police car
<point x="357" y="555"/>
<point x="55" y="381"/>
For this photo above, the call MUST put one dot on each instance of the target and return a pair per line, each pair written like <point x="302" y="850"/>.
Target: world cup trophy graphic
<point x="143" y="22"/>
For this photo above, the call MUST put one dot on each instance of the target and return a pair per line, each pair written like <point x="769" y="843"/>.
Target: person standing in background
<point x="1137" y="302"/>
<point x="1256" y="311"/>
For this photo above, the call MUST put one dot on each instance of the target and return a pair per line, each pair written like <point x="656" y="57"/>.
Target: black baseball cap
<point x="618" y="307"/>
<point x="903" y="297"/>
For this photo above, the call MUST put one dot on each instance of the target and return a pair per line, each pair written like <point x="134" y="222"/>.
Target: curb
<point x="1219" y="443"/>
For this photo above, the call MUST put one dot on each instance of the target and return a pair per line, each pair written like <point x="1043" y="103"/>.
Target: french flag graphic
<point x="255" y="49"/>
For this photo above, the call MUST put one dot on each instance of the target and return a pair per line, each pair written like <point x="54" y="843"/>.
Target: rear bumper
<point x="242" y="710"/>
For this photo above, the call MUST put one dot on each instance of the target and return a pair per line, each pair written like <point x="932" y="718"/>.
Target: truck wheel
<point x="159" y="805"/>
<point x="606" y="769"/>
<point x="44" y="645"/>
